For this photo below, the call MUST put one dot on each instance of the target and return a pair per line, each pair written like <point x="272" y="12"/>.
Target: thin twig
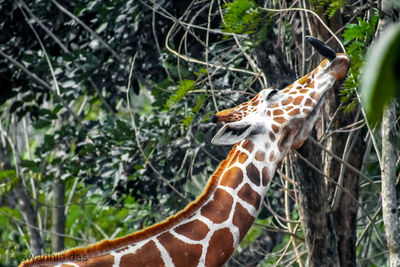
<point x="340" y="160"/>
<point x="312" y="12"/>
<point x="18" y="221"/>
<point x="87" y="28"/>
<point x="348" y="147"/>
<point x="343" y="189"/>
<point x="43" y="49"/>
<point x="71" y="194"/>
<point x="193" y="60"/>
<point x="42" y="83"/>
<point x="137" y="134"/>
<point x="66" y="50"/>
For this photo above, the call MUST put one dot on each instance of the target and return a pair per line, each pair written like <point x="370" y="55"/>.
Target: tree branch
<point x="390" y="211"/>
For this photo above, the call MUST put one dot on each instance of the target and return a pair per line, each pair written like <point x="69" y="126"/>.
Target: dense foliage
<point x="108" y="102"/>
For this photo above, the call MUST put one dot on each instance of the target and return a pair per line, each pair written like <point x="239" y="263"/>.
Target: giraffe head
<point x="284" y="116"/>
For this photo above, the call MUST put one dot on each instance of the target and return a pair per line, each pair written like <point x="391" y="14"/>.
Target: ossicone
<point x="322" y="48"/>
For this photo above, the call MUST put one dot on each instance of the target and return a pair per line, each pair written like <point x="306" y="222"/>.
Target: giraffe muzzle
<point x="339" y="66"/>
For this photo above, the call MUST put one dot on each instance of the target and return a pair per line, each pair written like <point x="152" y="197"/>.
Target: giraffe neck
<point x="205" y="233"/>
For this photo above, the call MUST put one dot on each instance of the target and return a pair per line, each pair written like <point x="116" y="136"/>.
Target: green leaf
<point x="49" y="141"/>
<point x="380" y="78"/>
<point x="357" y="37"/>
<point x="188" y="120"/>
<point x="207" y="116"/>
<point x="41" y="123"/>
<point x="199" y="104"/>
<point x="241" y="17"/>
<point x="7" y="174"/>
<point x="8" y="181"/>
<point x="184" y="87"/>
<point x="102" y="27"/>
<point x="361" y="31"/>
<point x="328" y="7"/>
<point x="204" y="71"/>
<point x="30" y="164"/>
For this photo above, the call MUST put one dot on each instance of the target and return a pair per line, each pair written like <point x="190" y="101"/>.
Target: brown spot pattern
<point x="182" y="254"/>
<point x="294" y="112"/>
<point x="268" y="113"/>
<point x="232" y="177"/>
<point x="275" y="128"/>
<point x="260" y="155"/>
<point x="288" y="108"/>
<point x="303" y="91"/>
<point x="219" y="208"/>
<point x="195" y="230"/>
<point x="311" y="85"/>
<point x="314" y="95"/>
<point x="220" y="248"/>
<point x="280" y="120"/>
<point x="298" y="100"/>
<point x="305" y="79"/>
<point x="282" y="144"/>
<point x="287" y="101"/>
<point x="253" y="174"/>
<point x="271" y="156"/>
<point x="277" y="112"/>
<point x="243" y="157"/>
<point x="308" y="102"/>
<point x="242" y="220"/>
<point x="250" y="196"/>
<point x="265" y="176"/>
<point x="272" y="136"/>
<point x="248" y="145"/>
<point x="234" y="157"/>
<point x="148" y="255"/>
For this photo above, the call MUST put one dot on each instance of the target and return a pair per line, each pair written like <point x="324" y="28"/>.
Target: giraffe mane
<point x="108" y="245"/>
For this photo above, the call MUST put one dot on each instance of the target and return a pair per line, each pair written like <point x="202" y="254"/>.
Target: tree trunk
<point x="29" y="215"/>
<point x="58" y="216"/>
<point x="345" y="214"/>
<point x="390" y="204"/>
<point x="273" y="64"/>
<point x="389" y="198"/>
<point x="24" y="206"/>
<point x="350" y="148"/>
<point x="317" y="221"/>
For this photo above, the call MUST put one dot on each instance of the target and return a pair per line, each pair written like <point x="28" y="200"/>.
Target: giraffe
<point x="206" y="233"/>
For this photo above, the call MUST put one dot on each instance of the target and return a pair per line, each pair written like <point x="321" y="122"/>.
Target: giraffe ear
<point x="232" y="133"/>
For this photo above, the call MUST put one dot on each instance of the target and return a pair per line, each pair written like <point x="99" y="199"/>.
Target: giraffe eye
<point x="271" y="94"/>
